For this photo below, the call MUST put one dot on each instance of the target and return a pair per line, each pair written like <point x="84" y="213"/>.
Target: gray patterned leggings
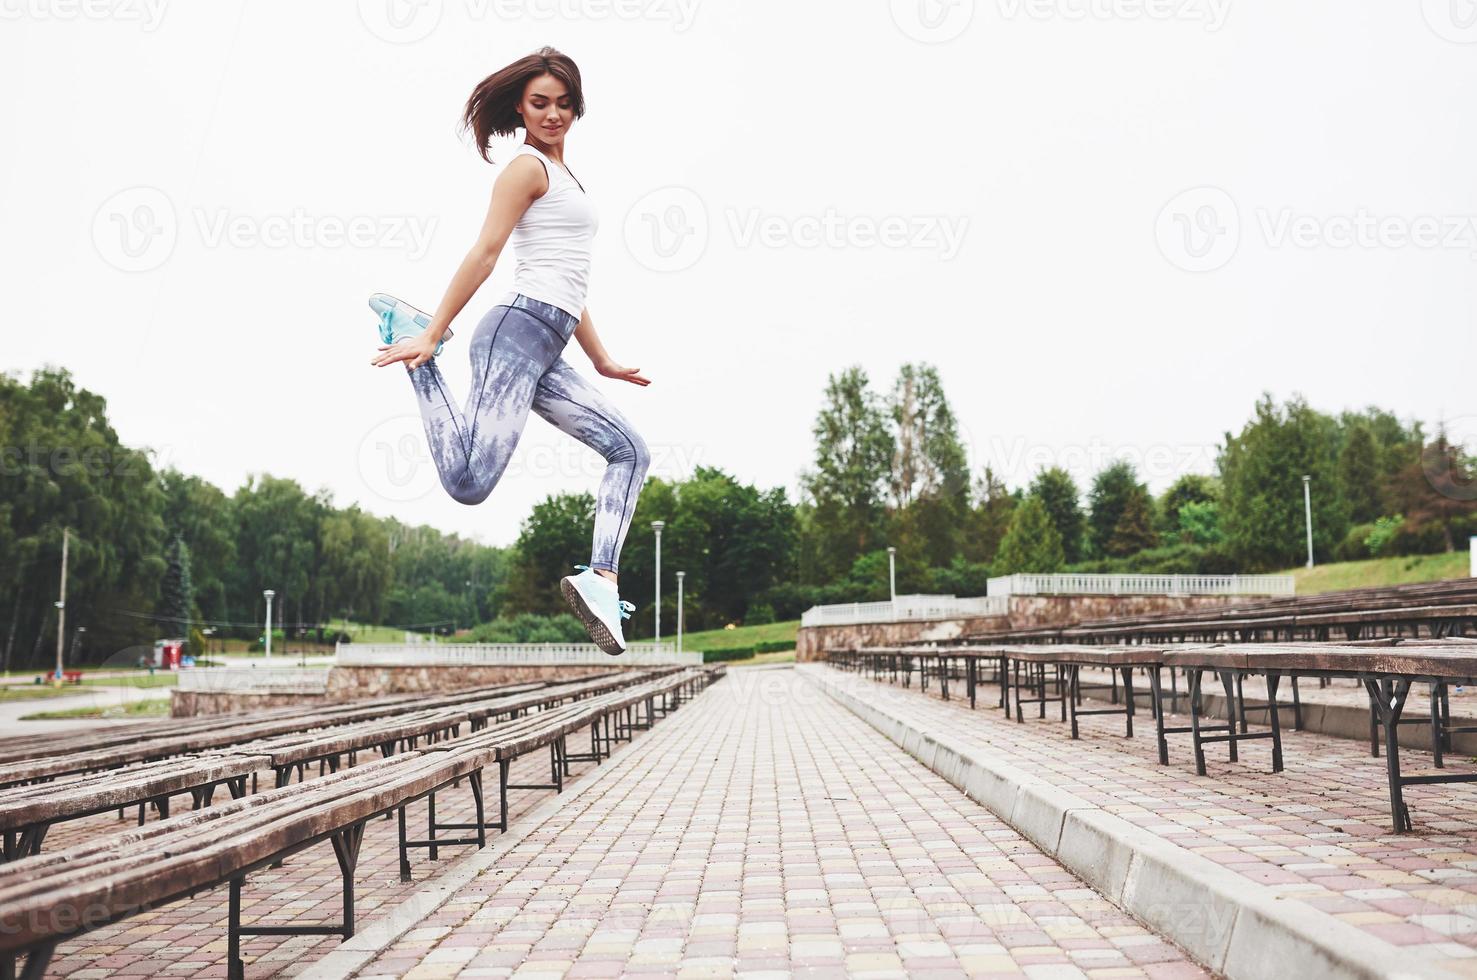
<point x="516" y="365"/>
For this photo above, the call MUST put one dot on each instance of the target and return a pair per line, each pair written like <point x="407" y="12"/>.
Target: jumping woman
<point x="517" y="348"/>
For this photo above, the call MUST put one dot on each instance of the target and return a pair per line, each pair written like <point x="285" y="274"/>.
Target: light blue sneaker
<point x="398" y="320"/>
<point x="596" y="601"/>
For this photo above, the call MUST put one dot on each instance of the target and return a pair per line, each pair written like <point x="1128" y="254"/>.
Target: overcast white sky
<point x="1110" y="223"/>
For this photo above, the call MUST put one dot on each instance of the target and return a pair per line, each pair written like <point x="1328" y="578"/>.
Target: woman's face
<point x="546" y="109"/>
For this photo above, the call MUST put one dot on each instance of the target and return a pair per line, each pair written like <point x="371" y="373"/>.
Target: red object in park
<point x="167" y="653"/>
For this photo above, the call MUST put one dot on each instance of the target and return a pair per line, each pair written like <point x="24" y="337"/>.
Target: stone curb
<point x="1227" y="922"/>
<point x="375" y="936"/>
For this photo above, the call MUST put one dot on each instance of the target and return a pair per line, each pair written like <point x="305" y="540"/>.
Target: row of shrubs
<point x="745" y="652"/>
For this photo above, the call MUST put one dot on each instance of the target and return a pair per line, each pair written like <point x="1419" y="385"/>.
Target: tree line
<point x="155" y="552"/>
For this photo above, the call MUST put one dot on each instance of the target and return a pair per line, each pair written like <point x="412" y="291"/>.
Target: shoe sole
<point x="592" y="623"/>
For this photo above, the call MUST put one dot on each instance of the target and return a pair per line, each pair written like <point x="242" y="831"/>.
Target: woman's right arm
<point x="521" y="183"/>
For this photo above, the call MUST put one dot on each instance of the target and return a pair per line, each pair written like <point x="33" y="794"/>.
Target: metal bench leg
<point x="36" y="963"/>
<point x="474" y="778"/>
<point x="1074" y="691"/>
<point x="502" y="796"/>
<point x="404" y="853"/>
<point x="1233" y="709"/>
<point x="1192" y="685"/>
<point x="1390" y="710"/>
<point x="1445" y="717"/>
<point x="1273" y="677"/>
<point x="1373" y="689"/>
<point x="1128" y="699"/>
<point x="1436" y="737"/>
<point x="1241" y="702"/>
<point x="346" y="849"/>
<point x="1156" y="693"/>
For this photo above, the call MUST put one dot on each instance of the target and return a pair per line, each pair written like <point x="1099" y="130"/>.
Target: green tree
<point x="1114" y="489"/>
<point x="355" y="566"/>
<point x="277" y="539"/>
<point x="988" y="519"/>
<point x="1438" y="491"/>
<point x="550" y="539"/>
<point x="1200" y="523"/>
<point x="202" y="515"/>
<point x="63" y="466"/>
<point x="1058" y="494"/>
<point x="1262" y="471"/>
<point x="1191" y="488"/>
<point x="1032" y="544"/>
<point x="1359" y="475"/>
<point x="853" y="457"/>
<point x="1134" y="531"/>
<point x="177" y="599"/>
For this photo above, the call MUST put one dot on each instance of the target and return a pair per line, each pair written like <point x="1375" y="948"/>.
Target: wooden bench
<point x="27" y="811"/>
<point x="255" y="724"/>
<point x="47" y="898"/>
<point x="1387" y="670"/>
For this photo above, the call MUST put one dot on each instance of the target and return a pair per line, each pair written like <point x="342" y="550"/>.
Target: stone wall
<point x="188" y="704"/>
<point x="353" y="683"/>
<point x="1026" y="612"/>
<point x="367" y="682"/>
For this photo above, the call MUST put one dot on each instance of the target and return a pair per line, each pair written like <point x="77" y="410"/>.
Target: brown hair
<point x="492" y="108"/>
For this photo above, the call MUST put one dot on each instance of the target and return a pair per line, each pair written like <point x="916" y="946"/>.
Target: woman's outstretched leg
<point x="510" y="350"/>
<point x="575" y="406"/>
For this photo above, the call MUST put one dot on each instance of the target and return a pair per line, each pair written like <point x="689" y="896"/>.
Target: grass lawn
<point x="739" y="636"/>
<point x="777" y="657"/>
<point x="152" y="708"/>
<point x="1380" y="571"/>
<point x="31" y="692"/>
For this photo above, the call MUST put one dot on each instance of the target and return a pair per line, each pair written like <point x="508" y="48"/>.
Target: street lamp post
<point x="1308" y="516"/>
<point x="657" y="527"/>
<point x="680" y="576"/>
<point x="892" y="573"/>
<point x="61" y="608"/>
<point x="269" y="594"/>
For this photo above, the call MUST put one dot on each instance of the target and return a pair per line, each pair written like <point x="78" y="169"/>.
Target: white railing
<point x="904" y="608"/>
<point x="509" y="655"/>
<point x="1083" y="583"/>
<point x="254" y="680"/>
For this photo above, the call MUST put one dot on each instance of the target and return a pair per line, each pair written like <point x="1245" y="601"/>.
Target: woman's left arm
<point x="604" y="363"/>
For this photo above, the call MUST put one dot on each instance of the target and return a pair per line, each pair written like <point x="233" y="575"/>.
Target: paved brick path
<point x="1318" y="832"/>
<point x="765" y="830"/>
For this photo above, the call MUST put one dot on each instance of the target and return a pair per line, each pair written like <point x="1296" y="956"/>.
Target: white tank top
<point x="552" y="241"/>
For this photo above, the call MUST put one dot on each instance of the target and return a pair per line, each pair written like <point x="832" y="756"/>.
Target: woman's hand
<point x="611" y="369"/>
<point x="415" y="351"/>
